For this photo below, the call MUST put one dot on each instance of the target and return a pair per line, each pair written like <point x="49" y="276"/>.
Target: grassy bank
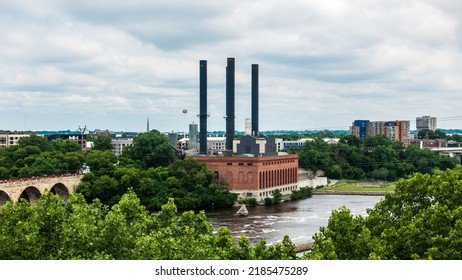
<point x="353" y="186"/>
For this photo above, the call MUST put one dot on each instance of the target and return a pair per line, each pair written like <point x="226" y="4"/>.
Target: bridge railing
<point x="39" y="178"/>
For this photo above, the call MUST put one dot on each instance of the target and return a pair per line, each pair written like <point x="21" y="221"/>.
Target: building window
<point x="240" y="177"/>
<point x="249" y="178"/>
<point x="229" y="177"/>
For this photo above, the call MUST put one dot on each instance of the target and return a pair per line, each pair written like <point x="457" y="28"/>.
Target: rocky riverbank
<point x="304" y="246"/>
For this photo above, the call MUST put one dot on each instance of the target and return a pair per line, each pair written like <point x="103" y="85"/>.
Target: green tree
<point x="152" y="149"/>
<point x="37" y="156"/>
<point x="66" y="146"/>
<point x="36" y="141"/>
<point x="103" y="188"/>
<point x="372" y="158"/>
<point x="102" y="143"/>
<point x="350" y="140"/>
<point x="277" y="196"/>
<point x="422" y="220"/>
<point x="430" y="134"/>
<point x="190" y="183"/>
<point x="54" y="229"/>
<point x="101" y="162"/>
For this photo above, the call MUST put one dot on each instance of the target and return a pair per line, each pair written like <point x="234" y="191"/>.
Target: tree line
<point x="37" y="156"/>
<point x="375" y="158"/>
<point x="150" y="169"/>
<point x="421" y="220"/>
<point x="54" y="229"/>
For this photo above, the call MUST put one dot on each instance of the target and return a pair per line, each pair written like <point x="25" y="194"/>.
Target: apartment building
<point x="398" y="130"/>
<point x="118" y="144"/>
<point x="11" y="138"/>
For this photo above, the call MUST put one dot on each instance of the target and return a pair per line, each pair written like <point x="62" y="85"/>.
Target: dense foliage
<point x="151" y="171"/>
<point x="430" y="134"/>
<point x="301" y="193"/>
<point x="54" y="229"/>
<point x="101" y="142"/>
<point x="295" y="135"/>
<point x="373" y="158"/>
<point x="37" y="156"/>
<point x="151" y="149"/>
<point x="191" y="185"/>
<point x="422" y="220"/>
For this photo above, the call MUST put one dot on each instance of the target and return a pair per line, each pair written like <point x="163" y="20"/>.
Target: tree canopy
<point x="101" y="143"/>
<point x="190" y="183"/>
<point x="54" y="229"/>
<point x="422" y="220"/>
<point x="37" y="156"/>
<point x="430" y="134"/>
<point x="151" y="170"/>
<point x="372" y="158"/>
<point x="152" y="149"/>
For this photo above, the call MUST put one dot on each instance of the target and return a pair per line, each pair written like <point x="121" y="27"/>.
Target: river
<point x="300" y="220"/>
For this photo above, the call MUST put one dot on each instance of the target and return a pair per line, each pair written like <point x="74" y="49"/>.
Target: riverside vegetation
<point x="421" y="220"/>
<point x="111" y="216"/>
<point x="375" y="158"/>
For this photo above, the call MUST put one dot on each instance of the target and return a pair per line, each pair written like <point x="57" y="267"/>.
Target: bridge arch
<point x="61" y="190"/>
<point x="30" y="194"/>
<point x="4" y="197"/>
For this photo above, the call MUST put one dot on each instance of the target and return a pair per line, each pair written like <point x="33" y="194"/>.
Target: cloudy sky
<point x="112" y="64"/>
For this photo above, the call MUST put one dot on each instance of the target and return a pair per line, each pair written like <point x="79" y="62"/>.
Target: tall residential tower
<point x="425" y="122"/>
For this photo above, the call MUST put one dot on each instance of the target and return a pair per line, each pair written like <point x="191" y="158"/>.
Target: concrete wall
<point x="317" y="181"/>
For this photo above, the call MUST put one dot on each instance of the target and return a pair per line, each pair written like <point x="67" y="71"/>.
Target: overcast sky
<point x="112" y="64"/>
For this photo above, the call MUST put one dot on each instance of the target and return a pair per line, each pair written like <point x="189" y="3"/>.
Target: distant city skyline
<point x="323" y="64"/>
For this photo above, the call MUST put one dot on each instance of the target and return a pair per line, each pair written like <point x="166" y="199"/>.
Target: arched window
<point x="240" y="177"/>
<point x="229" y="176"/>
<point x="249" y="178"/>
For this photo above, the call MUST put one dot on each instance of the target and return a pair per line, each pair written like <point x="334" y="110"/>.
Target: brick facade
<point x="255" y="177"/>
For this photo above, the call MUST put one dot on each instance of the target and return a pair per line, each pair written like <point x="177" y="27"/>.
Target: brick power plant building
<point x="251" y="165"/>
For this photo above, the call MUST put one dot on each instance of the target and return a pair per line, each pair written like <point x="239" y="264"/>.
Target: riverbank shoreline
<point x="337" y="192"/>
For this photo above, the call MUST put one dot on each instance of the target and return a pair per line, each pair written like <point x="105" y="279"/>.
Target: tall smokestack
<point x="230" y="103"/>
<point x="203" y="107"/>
<point x="255" y="100"/>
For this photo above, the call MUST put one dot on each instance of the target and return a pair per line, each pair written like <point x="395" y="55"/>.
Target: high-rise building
<point x="359" y="128"/>
<point x="425" y="122"/>
<point x="393" y="130"/>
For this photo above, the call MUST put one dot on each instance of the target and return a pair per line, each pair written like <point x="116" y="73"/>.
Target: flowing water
<point x="300" y="220"/>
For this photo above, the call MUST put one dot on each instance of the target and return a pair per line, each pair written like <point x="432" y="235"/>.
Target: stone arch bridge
<point x="32" y="188"/>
